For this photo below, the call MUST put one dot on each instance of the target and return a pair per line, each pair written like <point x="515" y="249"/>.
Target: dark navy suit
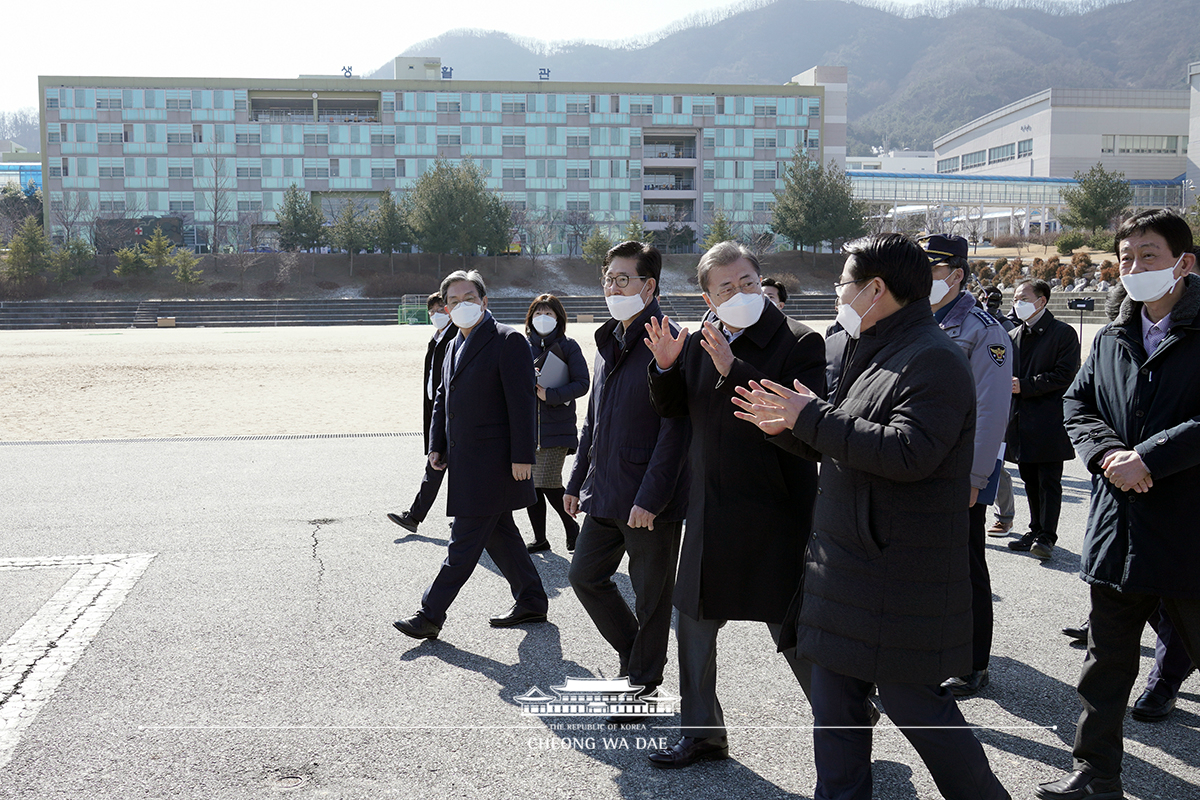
<point x="431" y="484"/>
<point x="484" y="421"/>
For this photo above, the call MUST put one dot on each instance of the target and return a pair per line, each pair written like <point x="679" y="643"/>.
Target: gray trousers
<point x="1005" y="506"/>
<point x="700" y="712"/>
<point x="639" y="635"/>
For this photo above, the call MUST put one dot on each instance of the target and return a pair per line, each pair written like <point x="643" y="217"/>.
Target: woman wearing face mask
<point x="545" y="326"/>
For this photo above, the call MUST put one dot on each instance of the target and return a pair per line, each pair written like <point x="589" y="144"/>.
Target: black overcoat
<point x="1046" y="359"/>
<point x="484" y="421"/>
<point x="1144" y="543"/>
<point x="750" y="503"/>
<point x="887" y="591"/>
<point x="556" y="414"/>
<point x="434" y="355"/>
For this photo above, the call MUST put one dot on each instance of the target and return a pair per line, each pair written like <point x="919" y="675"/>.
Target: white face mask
<point x="465" y="315"/>
<point x="623" y="307"/>
<point x="545" y="323"/>
<point x="1024" y="309"/>
<point x="439" y="319"/>
<point x="939" y="291"/>
<point x="1146" y="287"/>
<point x="742" y="310"/>
<point x="851" y="320"/>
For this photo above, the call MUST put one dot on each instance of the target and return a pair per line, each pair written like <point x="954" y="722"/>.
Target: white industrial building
<point x="1058" y="132"/>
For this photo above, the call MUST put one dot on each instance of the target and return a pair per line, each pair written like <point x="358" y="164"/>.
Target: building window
<point x="764" y="174"/>
<point x="179" y="172"/>
<point x="316" y="138"/>
<point x="1025" y="148"/>
<point x="449" y="138"/>
<point x="383" y="172"/>
<point x="764" y="206"/>
<point x="1005" y="152"/>
<point x="708" y="108"/>
<point x="764" y="140"/>
<point x="578" y="205"/>
<point x="641" y="108"/>
<point x="181" y="104"/>
<point x="383" y="138"/>
<point x="513" y="140"/>
<point x="51" y="102"/>
<point x="976" y="159"/>
<point x="335" y="167"/>
<point x="449" y="106"/>
<point x="578" y="108"/>
<point x="112" y="206"/>
<point x="316" y="172"/>
<point x="578" y="141"/>
<point x="249" y="205"/>
<point x="1143" y="145"/>
<point x="112" y="172"/>
<point x="388" y="107"/>
<point x="181" y="205"/>
<point x="948" y="164"/>
<point x="513" y="172"/>
<point x="513" y="106"/>
<point x="764" y="110"/>
<point x="108" y="102"/>
<point x="579" y="172"/>
<point x="248" y="138"/>
<point x="108" y="138"/>
<point x="249" y="172"/>
<point x="197" y="134"/>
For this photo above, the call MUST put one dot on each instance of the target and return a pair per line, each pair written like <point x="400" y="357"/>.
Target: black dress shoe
<point x="1081" y="786"/>
<point x="1151" y="707"/>
<point x="405" y="521"/>
<point x="537" y="547"/>
<point x="1042" y="547"/>
<point x="1078" y="634"/>
<point x="689" y="750"/>
<point x="967" y="685"/>
<point x="517" y="616"/>
<point x="417" y="627"/>
<point x="1023" y="544"/>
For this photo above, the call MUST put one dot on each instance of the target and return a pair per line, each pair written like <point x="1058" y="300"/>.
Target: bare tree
<point x="74" y="214"/>
<point x="247" y="242"/>
<point x="540" y="229"/>
<point x="578" y="224"/>
<point x="217" y="188"/>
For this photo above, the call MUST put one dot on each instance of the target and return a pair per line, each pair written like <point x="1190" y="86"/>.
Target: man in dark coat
<point x="631" y="478"/>
<point x="483" y="431"/>
<point x="751" y="502"/>
<point x="1133" y="413"/>
<point x="435" y="352"/>
<point x="887" y="592"/>
<point x="1047" y="358"/>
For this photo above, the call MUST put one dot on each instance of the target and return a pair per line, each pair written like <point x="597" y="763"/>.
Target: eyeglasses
<point x="747" y="286"/>
<point x="620" y="280"/>
<point x="837" y="286"/>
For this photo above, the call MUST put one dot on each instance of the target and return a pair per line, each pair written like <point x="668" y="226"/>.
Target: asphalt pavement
<point x="211" y="619"/>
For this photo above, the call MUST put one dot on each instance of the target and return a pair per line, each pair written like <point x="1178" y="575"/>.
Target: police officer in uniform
<point x="986" y="346"/>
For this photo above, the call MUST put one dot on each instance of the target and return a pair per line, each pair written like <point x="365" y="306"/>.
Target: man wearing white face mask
<point x="1047" y="358"/>
<point x="484" y="433"/>
<point x="751" y="502"/>
<point x="443" y="333"/>
<point x="631" y="478"/>
<point x="986" y="346"/>
<point x="1133" y="414"/>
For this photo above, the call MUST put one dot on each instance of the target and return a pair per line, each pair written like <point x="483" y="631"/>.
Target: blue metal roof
<point x="937" y="176"/>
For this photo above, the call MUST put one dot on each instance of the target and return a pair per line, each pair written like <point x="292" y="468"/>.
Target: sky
<point x="236" y="38"/>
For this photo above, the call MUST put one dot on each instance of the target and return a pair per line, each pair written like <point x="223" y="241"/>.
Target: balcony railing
<point x="667" y="151"/>
<point x="653" y="217"/>
<point x="677" y="186"/>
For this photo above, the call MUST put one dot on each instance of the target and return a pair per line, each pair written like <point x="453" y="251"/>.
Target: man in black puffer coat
<point x="887" y="593"/>
<point x="1133" y="414"/>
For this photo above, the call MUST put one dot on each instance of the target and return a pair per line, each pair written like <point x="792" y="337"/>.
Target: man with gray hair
<point x="484" y="431"/>
<point x="751" y="502"/>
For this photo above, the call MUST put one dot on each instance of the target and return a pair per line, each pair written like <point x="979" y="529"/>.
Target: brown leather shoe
<point x="999" y="528"/>
<point x="689" y="750"/>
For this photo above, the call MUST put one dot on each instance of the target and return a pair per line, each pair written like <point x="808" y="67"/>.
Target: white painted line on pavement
<point x="34" y="661"/>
